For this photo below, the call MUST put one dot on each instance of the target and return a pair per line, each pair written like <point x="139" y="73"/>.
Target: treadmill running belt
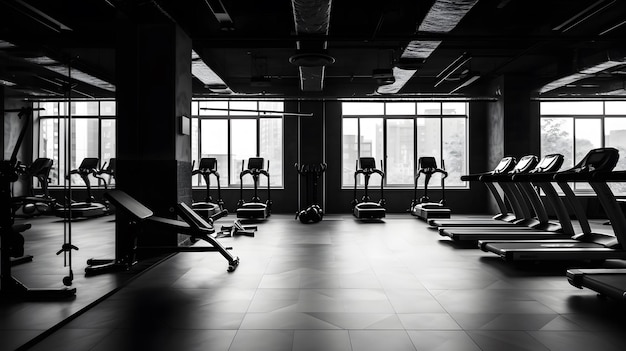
<point x="611" y="284"/>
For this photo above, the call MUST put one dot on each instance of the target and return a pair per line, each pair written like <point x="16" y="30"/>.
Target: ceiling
<point x="328" y="49"/>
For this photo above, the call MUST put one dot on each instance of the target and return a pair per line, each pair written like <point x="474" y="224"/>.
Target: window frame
<point x="230" y="116"/>
<point x="385" y="117"/>
<point x="602" y="117"/>
<point x="59" y="114"/>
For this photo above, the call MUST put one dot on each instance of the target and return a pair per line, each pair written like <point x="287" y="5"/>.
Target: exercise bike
<point x="89" y="207"/>
<point x="34" y="205"/>
<point x="207" y="208"/>
<point x="423" y="207"/>
<point x="366" y="208"/>
<point x="107" y="169"/>
<point x="255" y="209"/>
<point x="311" y="173"/>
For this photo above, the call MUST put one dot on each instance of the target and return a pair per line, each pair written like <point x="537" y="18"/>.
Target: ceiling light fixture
<point x="465" y="83"/>
<point x="453" y="67"/>
<point x="583" y="15"/>
<point x="7" y="83"/>
<point x="37" y="15"/>
<point x="612" y="28"/>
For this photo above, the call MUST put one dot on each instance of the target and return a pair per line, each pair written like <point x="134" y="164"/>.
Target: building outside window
<point x="396" y="134"/>
<point x="572" y="128"/>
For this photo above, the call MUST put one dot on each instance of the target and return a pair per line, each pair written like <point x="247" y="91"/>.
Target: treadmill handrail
<point x="614" y="176"/>
<point x="534" y="177"/>
<point x="505" y="165"/>
<point x="474" y="177"/>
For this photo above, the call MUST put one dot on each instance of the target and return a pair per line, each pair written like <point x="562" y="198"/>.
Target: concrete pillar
<point x="512" y="122"/>
<point x="153" y="93"/>
<point x="311" y="142"/>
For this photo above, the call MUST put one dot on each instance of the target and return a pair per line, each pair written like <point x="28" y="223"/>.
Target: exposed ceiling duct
<point x="442" y="17"/>
<point x="207" y="76"/>
<point x="7" y="83"/>
<point x="590" y="67"/>
<point x="401" y="77"/>
<point x="76" y="74"/>
<point x="311" y="17"/>
<point x="221" y="15"/>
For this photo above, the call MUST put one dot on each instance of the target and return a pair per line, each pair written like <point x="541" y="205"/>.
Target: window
<point x="93" y="135"/>
<point x="572" y="128"/>
<point x="400" y="133"/>
<point x="234" y="131"/>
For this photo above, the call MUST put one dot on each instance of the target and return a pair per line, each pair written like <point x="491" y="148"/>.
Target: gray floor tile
<point x="317" y="340"/>
<point x="442" y="341"/>
<point x="575" y="341"/>
<point x="506" y="340"/>
<point x="376" y="340"/>
<point x="341" y="285"/>
<point x="72" y="339"/>
<point x="262" y="340"/>
<point x="428" y="321"/>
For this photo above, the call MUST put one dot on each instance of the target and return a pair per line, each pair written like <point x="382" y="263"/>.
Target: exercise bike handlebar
<point x="431" y="171"/>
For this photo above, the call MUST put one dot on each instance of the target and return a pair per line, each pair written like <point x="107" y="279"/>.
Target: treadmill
<point x="505" y="165"/>
<point x="521" y="212"/>
<point x="609" y="282"/>
<point x="583" y="247"/>
<point x="90" y="207"/>
<point x="538" y="227"/>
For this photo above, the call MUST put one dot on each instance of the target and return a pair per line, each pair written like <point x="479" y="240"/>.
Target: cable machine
<point x="12" y="240"/>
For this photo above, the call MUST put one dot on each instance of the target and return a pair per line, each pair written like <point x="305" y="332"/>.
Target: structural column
<point x="311" y="144"/>
<point x="512" y="121"/>
<point x="153" y="93"/>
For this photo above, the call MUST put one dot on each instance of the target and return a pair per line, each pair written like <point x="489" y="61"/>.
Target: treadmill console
<point x="525" y="164"/>
<point x="427" y="162"/>
<point x="210" y="163"/>
<point x="505" y="165"/>
<point x="255" y="162"/>
<point x="367" y="163"/>
<point x="601" y="159"/>
<point x="549" y="163"/>
<point x="89" y="163"/>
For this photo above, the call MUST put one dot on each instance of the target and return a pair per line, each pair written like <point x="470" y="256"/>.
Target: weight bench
<point x="193" y="225"/>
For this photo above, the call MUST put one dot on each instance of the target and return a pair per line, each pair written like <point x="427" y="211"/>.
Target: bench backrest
<point x="192" y="218"/>
<point x="121" y="200"/>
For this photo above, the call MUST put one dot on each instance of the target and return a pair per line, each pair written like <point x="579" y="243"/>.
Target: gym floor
<point x="336" y="285"/>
